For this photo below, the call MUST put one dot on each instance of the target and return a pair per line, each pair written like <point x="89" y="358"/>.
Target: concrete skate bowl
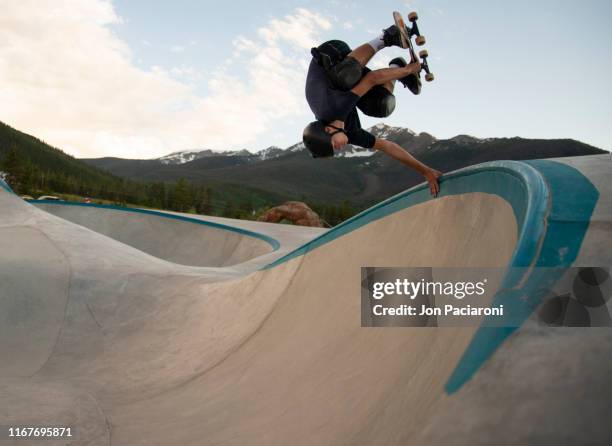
<point x="133" y="350"/>
<point x="175" y="238"/>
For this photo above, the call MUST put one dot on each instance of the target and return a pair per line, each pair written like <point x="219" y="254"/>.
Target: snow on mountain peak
<point x="186" y="156"/>
<point x="351" y="151"/>
<point x="296" y="147"/>
<point x="270" y="152"/>
<point x="382" y="130"/>
<point x="180" y="157"/>
<point x="466" y="139"/>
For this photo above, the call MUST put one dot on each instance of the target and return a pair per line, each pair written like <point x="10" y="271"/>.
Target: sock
<point x="378" y="43"/>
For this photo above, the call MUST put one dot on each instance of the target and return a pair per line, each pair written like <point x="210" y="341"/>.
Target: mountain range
<point x="380" y="130"/>
<point x="362" y="176"/>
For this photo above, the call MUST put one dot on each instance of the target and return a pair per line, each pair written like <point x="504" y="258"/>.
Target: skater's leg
<point x="379" y="102"/>
<point x="363" y="54"/>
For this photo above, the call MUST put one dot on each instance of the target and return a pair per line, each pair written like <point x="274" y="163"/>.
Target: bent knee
<point x="378" y="102"/>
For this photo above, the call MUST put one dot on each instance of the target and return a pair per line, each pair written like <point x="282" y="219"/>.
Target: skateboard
<point x="406" y="34"/>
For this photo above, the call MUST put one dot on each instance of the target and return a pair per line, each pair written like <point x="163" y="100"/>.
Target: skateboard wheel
<point x="420" y="40"/>
<point x="429" y="77"/>
<point x="423" y="54"/>
<point x="413" y="16"/>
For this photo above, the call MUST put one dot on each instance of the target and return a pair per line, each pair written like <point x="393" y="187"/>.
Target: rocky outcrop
<point x="296" y="212"/>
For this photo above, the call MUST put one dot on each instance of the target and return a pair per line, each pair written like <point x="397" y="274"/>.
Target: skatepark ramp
<point x="176" y="238"/>
<point x="131" y="348"/>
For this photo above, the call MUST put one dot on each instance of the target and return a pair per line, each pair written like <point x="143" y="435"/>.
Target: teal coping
<point x="6" y="186"/>
<point x="571" y="201"/>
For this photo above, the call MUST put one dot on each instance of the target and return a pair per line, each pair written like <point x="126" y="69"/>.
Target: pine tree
<point x="14" y="167"/>
<point x="229" y="210"/>
<point x="182" y="199"/>
<point x="204" y="202"/>
<point x="346" y="211"/>
<point x="157" y="195"/>
<point x="30" y="175"/>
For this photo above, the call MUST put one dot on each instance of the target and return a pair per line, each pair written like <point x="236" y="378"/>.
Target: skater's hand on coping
<point x="432" y="176"/>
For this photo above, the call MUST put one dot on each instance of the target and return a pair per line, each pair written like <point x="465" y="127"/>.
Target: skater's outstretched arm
<point x="397" y="152"/>
<point x="384" y="75"/>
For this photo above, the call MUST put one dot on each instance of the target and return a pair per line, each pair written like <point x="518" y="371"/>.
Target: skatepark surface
<point x="140" y="327"/>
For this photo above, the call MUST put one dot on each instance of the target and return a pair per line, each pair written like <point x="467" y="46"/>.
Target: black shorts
<point x="326" y="102"/>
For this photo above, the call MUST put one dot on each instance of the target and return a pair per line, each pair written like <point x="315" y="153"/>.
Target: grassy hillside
<point x="35" y="168"/>
<point x="49" y="158"/>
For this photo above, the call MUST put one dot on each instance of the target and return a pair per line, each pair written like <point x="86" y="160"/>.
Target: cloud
<point x="300" y="29"/>
<point x="241" y="44"/>
<point x="68" y="79"/>
<point x="187" y="73"/>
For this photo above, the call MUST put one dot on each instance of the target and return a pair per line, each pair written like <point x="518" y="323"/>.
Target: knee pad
<point x="345" y="74"/>
<point x="378" y="102"/>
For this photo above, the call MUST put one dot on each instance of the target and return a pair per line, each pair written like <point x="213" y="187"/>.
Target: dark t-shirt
<point x="328" y="104"/>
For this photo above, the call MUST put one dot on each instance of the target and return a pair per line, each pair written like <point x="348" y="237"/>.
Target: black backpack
<point x="343" y="72"/>
<point x="330" y="53"/>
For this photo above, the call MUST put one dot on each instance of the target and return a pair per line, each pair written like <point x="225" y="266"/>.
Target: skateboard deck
<point x="406" y="34"/>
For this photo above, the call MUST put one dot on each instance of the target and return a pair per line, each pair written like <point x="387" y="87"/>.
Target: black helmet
<point x="317" y="140"/>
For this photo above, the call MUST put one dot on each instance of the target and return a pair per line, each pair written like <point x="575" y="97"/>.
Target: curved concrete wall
<point x="170" y="237"/>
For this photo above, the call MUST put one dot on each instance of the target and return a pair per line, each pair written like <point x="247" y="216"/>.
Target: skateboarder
<point x="338" y="82"/>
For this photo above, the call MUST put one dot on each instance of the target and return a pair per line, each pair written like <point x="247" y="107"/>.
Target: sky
<point x="143" y="78"/>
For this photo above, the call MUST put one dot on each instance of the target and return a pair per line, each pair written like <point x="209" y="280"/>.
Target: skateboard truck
<point x="414" y="29"/>
<point x="419" y="40"/>
<point x="407" y="32"/>
<point x="423" y="54"/>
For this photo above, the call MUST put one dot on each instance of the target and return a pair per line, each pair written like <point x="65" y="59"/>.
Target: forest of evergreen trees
<point x="28" y="178"/>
